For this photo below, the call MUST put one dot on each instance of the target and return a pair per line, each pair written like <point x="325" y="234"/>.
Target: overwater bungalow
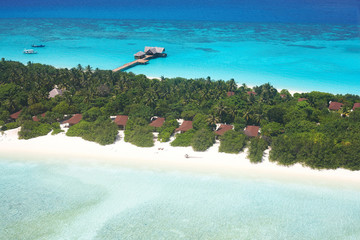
<point x="155" y="51"/>
<point x="139" y="55"/>
<point x="335" y="106"/>
<point x="121" y="121"/>
<point x="356" y="105"/>
<point x="185" y="126"/>
<point x="73" y="120"/>
<point x="223" y="129"/>
<point x="158" y="122"/>
<point x="16" y="115"/>
<point x="252" y="131"/>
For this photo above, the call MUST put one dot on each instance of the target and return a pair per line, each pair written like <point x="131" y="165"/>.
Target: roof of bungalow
<point x="223" y="129"/>
<point x="251" y="131"/>
<point x="36" y="119"/>
<point x="302" y="99"/>
<point x="186" y="125"/>
<point x="139" y="54"/>
<point x="74" y="119"/>
<point x="335" y="106"/>
<point x="55" y="92"/>
<point x="229" y="94"/>
<point x="282" y="95"/>
<point x="356" y="105"/>
<point x="121" y="120"/>
<point x="158" y="122"/>
<point x="154" y="50"/>
<point x="15" y="115"/>
<point x="251" y="93"/>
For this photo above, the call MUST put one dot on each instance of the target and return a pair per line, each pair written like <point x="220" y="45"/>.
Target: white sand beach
<point x="164" y="157"/>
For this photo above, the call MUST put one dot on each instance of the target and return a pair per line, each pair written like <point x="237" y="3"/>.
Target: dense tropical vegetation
<point x="298" y="132"/>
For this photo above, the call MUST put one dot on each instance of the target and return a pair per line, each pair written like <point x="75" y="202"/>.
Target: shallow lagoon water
<point x="74" y="201"/>
<point x="303" y="57"/>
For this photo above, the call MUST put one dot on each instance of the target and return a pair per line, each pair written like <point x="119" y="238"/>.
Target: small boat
<point x="41" y="45"/>
<point x="29" y="51"/>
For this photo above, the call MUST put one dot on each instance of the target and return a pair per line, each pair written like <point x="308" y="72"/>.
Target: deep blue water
<point x="295" y="11"/>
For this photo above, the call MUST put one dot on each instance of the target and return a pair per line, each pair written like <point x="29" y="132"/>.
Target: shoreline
<point x="59" y="148"/>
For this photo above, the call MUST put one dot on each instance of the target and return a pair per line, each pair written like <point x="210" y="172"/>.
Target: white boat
<point x="29" y="51"/>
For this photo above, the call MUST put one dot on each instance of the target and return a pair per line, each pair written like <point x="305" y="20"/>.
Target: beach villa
<point x="16" y="115"/>
<point x="185" y="126"/>
<point x="157" y="122"/>
<point x="335" y="106"/>
<point x="356" y="105"/>
<point x="55" y="92"/>
<point x="229" y="94"/>
<point x="36" y="119"/>
<point x="222" y="129"/>
<point x="121" y="121"/>
<point x="252" y="131"/>
<point x="73" y="120"/>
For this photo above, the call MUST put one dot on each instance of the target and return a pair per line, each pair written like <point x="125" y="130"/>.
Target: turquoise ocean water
<point x="73" y="201"/>
<point x="296" y="56"/>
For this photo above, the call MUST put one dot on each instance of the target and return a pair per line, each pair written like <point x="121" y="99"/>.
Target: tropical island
<point x="316" y="129"/>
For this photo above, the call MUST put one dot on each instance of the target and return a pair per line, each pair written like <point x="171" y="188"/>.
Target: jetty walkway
<point x="143" y="57"/>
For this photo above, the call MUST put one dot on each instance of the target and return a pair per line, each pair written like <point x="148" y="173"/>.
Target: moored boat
<point x="29" y="51"/>
<point x="41" y="45"/>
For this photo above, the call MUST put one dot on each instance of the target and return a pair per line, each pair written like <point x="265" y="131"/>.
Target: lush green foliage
<point x="202" y="140"/>
<point x="167" y="130"/>
<point x="102" y="131"/>
<point x="31" y="129"/>
<point x="183" y="139"/>
<point x="10" y="125"/>
<point x="304" y="132"/>
<point x="139" y="133"/>
<point x="232" y="142"/>
<point x="257" y="147"/>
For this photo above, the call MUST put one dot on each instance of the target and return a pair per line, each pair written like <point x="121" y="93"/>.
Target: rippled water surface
<point x="58" y="201"/>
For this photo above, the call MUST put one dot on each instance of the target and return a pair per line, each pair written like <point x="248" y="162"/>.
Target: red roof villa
<point x="356" y="105"/>
<point x="158" y="122"/>
<point x="36" y="119"/>
<point x="121" y="120"/>
<point x="186" y="125"/>
<point x="74" y="119"/>
<point x="15" y="115"/>
<point x="229" y="94"/>
<point x="302" y="99"/>
<point x="223" y="129"/>
<point x="252" y="131"/>
<point x="335" y="106"/>
<point x="251" y="93"/>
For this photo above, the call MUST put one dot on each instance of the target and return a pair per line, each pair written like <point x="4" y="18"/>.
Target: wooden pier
<point x="143" y="57"/>
<point x="131" y="64"/>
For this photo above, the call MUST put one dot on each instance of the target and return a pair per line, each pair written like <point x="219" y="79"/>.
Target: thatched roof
<point x="139" y="54"/>
<point x="335" y="106"/>
<point x="186" y="125"/>
<point x="121" y="120"/>
<point x="251" y="131"/>
<point x="157" y="122"/>
<point x="74" y="119"/>
<point x="154" y="50"/>
<point x="53" y="93"/>
<point x="15" y="115"/>
<point x="223" y="129"/>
